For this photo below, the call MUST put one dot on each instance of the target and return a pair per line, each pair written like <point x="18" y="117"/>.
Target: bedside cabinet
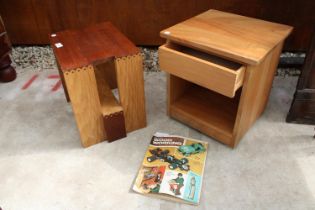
<point x="220" y="70"/>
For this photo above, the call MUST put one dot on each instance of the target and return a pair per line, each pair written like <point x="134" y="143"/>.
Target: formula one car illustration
<point x="191" y="149"/>
<point x="163" y="155"/>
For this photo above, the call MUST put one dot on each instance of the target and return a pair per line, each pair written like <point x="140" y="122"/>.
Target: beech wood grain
<point x="222" y="76"/>
<point x="254" y="44"/>
<point x="239" y="38"/>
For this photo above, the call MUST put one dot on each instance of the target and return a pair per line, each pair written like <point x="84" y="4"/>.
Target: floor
<point x="43" y="166"/>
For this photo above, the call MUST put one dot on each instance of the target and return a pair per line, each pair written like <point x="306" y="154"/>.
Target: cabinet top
<point x="243" y="39"/>
<point x="90" y="45"/>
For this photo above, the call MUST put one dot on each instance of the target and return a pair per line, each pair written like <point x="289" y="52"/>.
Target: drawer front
<point x="201" y="70"/>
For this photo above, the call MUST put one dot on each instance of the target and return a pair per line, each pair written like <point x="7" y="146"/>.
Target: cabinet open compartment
<point x="203" y="109"/>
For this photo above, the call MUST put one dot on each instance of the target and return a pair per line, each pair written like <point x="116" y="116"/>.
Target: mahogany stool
<point x="220" y="70"/>
<point x="92" y="61"/>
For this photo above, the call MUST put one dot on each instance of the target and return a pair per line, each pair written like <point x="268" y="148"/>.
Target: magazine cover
<point x="172" y="168"/>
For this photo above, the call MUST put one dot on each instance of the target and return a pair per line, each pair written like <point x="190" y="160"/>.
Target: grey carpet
<point x="43" y="166"/>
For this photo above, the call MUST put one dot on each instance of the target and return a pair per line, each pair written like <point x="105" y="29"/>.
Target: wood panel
<point x="2" y="29"/>
<point x="303" y="104"/>
<point x="228" y="35"/>
<point x="109" y="72"/>
<point x="255" y="93"/>
<point x="225" y="119"/>
<point x="82" y="89"/>
<point x="218" y="77"/>
<point x="148" y="17"/>
<point x="112" y="111"/>
<point x="30" y="21"/>
<point x="93" y="44"/>
<point x="92" y="61"/>
<point x="298" y="14"/>
<point x="129" y="72"/>
<point x="207" y="111"/>
<point x="176" y="87"/>
<point x="5" y="45"/>
<point x="7" y="72"/>
<point x="62" y="78"/>
<point x="21" y="22"/>
<point x="109" y="103"/>
<point x="302" y="110"/>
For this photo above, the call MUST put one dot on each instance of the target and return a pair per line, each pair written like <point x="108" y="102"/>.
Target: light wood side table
<point x="220" y="70"/>
<point x="93" y="61"/>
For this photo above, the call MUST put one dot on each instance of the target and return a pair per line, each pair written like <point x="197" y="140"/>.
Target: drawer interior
<point x="205" y="56"/>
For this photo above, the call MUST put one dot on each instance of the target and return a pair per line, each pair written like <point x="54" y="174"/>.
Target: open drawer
<point x="217" y="74"/>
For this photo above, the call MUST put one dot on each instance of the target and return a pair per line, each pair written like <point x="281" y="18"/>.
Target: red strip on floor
<point x="53" y="76"/>
<point x="57" y="86"/>
<point x="29" y="82"/>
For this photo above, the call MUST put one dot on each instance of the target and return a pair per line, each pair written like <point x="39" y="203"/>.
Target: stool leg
<point x="62" y="78"/>
<point x="82" y="89"/>
<point x="129" y="72"/>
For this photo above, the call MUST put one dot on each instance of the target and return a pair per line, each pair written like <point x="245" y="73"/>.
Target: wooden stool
<point x="92" y="62"/>
<point x="221" y="68"/>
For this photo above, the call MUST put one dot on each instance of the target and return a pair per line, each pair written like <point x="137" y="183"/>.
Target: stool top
<point x="243" y="39"/>
<point x="90" y="45"/>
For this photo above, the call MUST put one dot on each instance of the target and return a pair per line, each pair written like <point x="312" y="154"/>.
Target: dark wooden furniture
<point x="7" y="72"/>
<point x="303" y="105"/>
<point x="29" y="21"/>
<point x="92" y="61"/>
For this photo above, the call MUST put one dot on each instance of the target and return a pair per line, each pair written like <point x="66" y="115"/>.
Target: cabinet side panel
<point x="255" y="94"/>
<point x="176" y="87"/>
<point x="270" y="75"/>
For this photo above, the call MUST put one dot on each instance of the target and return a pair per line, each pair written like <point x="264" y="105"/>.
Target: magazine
<point x="172" y="168"/>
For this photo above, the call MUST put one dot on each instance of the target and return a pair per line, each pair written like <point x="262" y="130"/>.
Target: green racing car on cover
<point x="191" y="149"/>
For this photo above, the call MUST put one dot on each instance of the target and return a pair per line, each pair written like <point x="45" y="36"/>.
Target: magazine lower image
<point x="172" y="168"/>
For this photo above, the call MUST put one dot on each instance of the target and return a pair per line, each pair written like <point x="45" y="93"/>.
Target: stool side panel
<point x="129" y="71"/>
<point x="81" y="84"/>
<point x="255" y="93"/>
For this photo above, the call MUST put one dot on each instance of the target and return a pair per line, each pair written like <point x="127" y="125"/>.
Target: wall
<point x="30" y="21"/>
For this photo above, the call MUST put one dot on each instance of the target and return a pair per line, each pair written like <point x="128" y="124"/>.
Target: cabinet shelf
<point x="207" y="111"/>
